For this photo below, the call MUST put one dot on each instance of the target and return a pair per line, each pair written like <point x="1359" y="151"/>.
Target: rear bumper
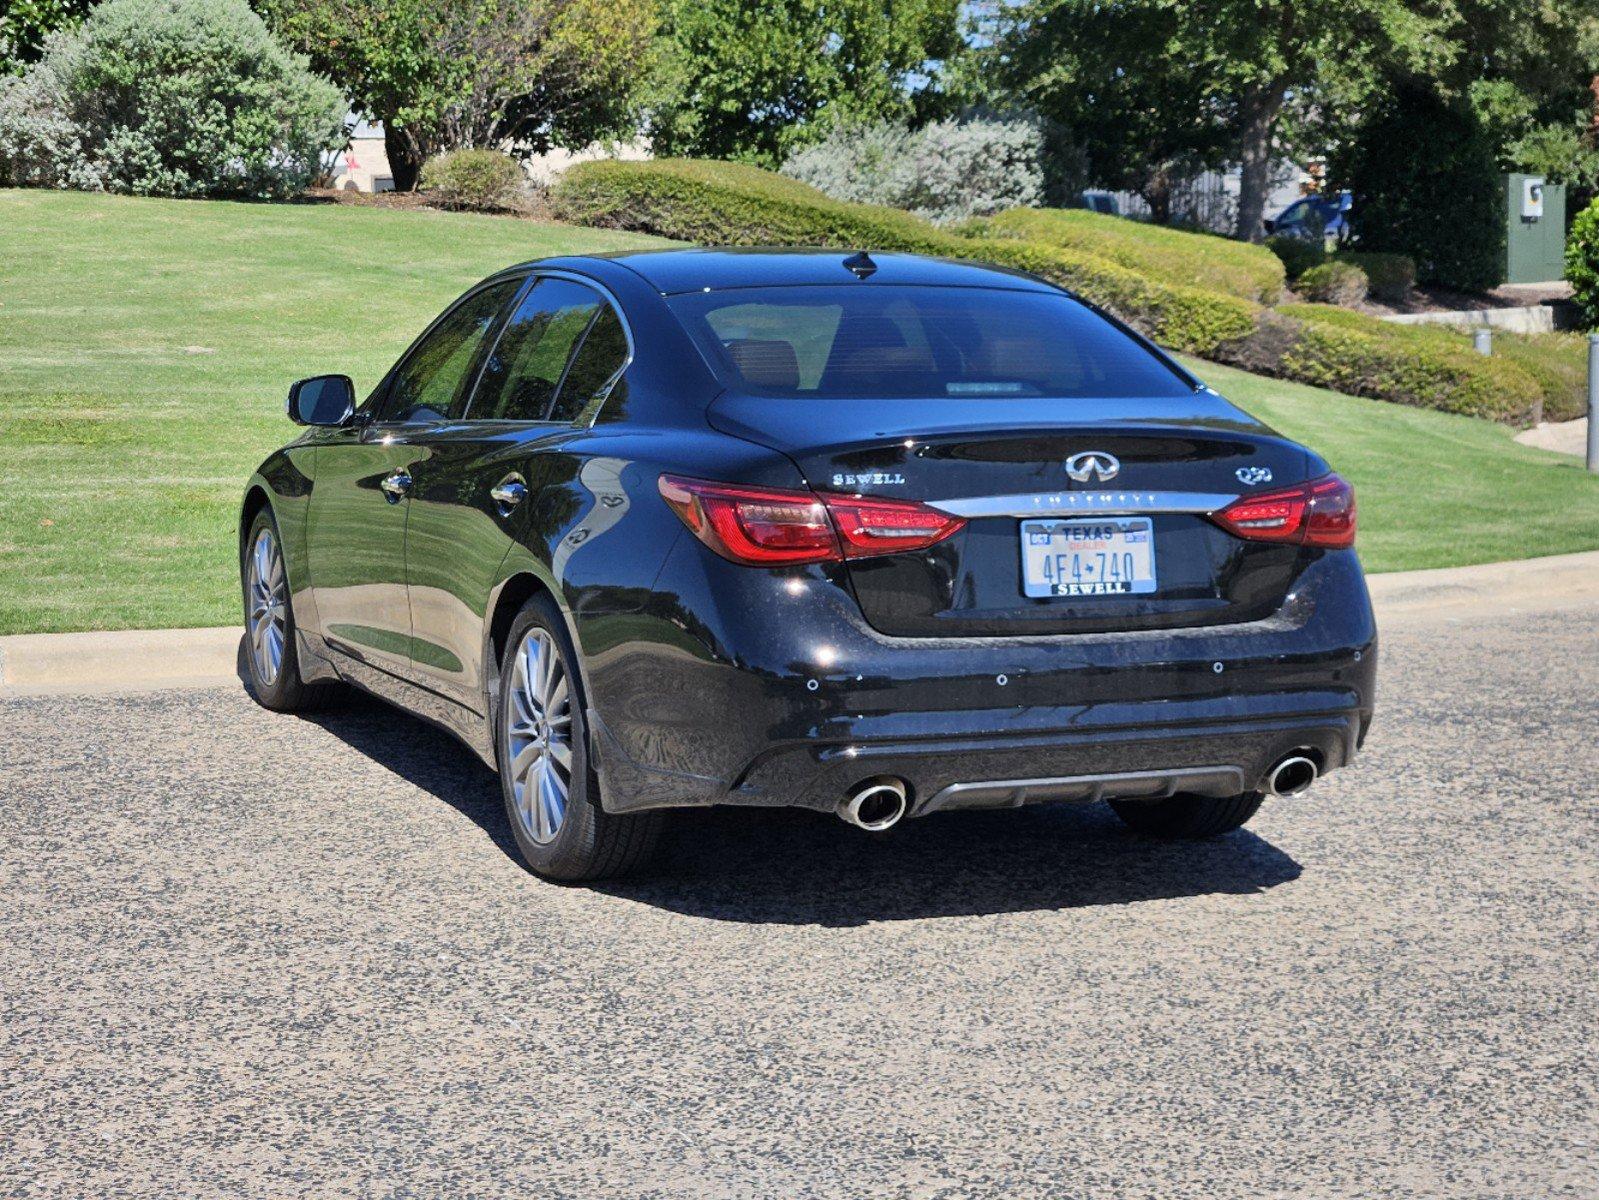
<point x="802" y="715"/>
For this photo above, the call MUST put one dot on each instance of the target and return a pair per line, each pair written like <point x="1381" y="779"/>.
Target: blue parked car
<point x="1313" y="218"/>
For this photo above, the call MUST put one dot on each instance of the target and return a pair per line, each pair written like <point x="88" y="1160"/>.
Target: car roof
<point x="712" y="269"/>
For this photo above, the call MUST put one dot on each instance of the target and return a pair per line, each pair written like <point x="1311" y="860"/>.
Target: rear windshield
<point x="885" y="340"/>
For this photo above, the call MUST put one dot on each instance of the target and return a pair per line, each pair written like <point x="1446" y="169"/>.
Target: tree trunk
<point x="1259" y="111"/>
<point x="1157" y="194"/>
<point x="405" y="164"/>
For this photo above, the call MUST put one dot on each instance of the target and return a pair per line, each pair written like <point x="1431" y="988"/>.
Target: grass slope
<point x="1434" y="489"/>
<point x="145" y="349"/>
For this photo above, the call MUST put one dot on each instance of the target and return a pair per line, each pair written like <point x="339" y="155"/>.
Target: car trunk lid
<point x="1149" y="470"/>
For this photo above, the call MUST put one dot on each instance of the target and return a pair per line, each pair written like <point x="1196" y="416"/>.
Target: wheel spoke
<point x="523" y="759"/>
<point x="561" y="755"/>
<point x="554" y="793"/>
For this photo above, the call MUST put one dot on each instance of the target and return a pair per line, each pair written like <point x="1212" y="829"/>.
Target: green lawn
<point x="145" y="350"/>
<point x="146" y="345"/>
<point x="1434" y="489"/>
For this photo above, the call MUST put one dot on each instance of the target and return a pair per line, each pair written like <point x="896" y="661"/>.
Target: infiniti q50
<point x="875" y="535"/>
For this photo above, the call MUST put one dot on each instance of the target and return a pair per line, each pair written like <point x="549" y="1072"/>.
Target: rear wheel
<point x="552" y="795"/>
<point x="271" y="654"/>
<point x="1188" y="816"/>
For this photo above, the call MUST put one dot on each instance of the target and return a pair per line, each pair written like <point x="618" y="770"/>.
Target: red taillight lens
<point x="759" y="526"/>
<point x="1319" y="513"/>
<point x="772" y="527"/>
<point x="868" y="525"/>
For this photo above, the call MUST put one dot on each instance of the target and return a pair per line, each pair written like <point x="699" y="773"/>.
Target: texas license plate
<point x="1100" y="556"/>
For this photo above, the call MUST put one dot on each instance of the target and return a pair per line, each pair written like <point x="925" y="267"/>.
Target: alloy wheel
<point x="538" y="727"/>
<point x="268" y="617"/>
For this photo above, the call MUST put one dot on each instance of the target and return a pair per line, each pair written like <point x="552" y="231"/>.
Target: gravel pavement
<point x="252" y="955"/>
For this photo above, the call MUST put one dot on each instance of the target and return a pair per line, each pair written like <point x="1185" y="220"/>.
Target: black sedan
<point x="877" y="535"/>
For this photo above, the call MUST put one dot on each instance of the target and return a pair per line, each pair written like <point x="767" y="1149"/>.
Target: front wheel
<point x="271" y="654"/>
<point x="552" y="794"/>
<point x="1188" y="816"/>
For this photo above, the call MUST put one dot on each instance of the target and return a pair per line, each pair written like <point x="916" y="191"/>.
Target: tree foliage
<point x="24" y="25"/>
<point x="458" y="74"/>
<point x="756" y="82"/>
<point x="1134" y="115"/>
<point x="1425" y="181"/>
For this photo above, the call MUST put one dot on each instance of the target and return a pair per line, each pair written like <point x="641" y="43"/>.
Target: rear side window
<point x="594" y="370"/>
<point x="523" y="371"/>
<point x="430" y="385"/>
<point x="900" y="341"/>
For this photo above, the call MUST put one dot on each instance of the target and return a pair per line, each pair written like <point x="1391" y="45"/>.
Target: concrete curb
<point x="119" y="661"/>
<point x="150" y="659"/>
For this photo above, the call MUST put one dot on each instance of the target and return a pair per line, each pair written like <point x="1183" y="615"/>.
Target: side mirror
<point x="322" y="400"/>
<point x="1270" y="224"/>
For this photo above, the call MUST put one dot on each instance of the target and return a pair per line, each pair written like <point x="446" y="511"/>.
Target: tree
<point x="1425" y="184"/>
<point x="1216" y="74"/>
<point x="756" y="82"/>
<point x="480" y="74"/>
<point x="1135" y="129"/>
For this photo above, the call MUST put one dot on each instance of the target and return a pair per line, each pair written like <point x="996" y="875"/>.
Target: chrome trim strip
<point x="1099" y="502"/>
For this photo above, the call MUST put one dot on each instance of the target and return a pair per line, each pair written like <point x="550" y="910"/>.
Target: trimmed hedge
<point x="1558" y="362"/>
<point x="474" y="180"/>
<point x="733" y="204"/>
<point x="1298" y="255"/>
<point x="1391" y="275"/>
<point x="1334" y="283"/>
<point x="1173" y="256"/>
<point x="1418" y="365"/>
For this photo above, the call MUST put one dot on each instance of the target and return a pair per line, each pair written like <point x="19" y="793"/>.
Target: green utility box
<point x="1535" y="229"/>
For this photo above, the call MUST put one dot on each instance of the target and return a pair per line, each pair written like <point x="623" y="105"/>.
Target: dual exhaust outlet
<point x="876" y="805"/>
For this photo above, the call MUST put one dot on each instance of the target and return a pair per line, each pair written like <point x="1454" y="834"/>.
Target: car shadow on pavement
<point x="796" y="867"/>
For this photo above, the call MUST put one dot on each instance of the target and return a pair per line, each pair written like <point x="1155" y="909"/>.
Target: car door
<point x="484" y="478"/>
<point x="360" y="500"/>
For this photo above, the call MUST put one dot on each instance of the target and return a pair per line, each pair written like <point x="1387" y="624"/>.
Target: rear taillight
<point x="1319" y="513"/>
<point x="868" y="525"/>
<point x="772" y="527"/>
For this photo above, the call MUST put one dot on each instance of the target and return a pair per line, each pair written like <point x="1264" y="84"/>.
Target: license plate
<point x="1103" y="556"/>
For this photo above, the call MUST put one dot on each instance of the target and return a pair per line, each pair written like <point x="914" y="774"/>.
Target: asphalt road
<point x="251" y="955"/>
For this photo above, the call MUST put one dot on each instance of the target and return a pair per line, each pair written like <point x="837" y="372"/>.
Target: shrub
<point x="1334" y="283"/>
<point x="946" y="171"/>
<point x="1173" y="256"/>
<point x="1298" y="255"/>
<point x="1558" y="362"/>
<point x="1582" y="264"/>
<point x="171" y="98"/>
<point x="479" y="180"/>
<point x="1391" y="276"/>
<point x="733" y="204"/>
<point x="1424" y="366"/>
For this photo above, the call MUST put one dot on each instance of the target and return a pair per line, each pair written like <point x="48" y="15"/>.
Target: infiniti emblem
<point x="1092" y="464"/>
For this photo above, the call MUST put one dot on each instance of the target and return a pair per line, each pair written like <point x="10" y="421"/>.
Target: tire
<point x="1188" y="816"/>
<point x="554" y="805"/>
<point x="271" y="653"/>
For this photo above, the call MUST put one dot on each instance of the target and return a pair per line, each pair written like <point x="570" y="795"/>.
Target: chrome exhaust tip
<point x="1292" y="776"/>
<point x="875" y="805"/>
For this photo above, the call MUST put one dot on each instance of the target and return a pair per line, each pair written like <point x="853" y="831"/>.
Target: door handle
<point x="508" y="493"/>
<point x="396" y="486"/>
